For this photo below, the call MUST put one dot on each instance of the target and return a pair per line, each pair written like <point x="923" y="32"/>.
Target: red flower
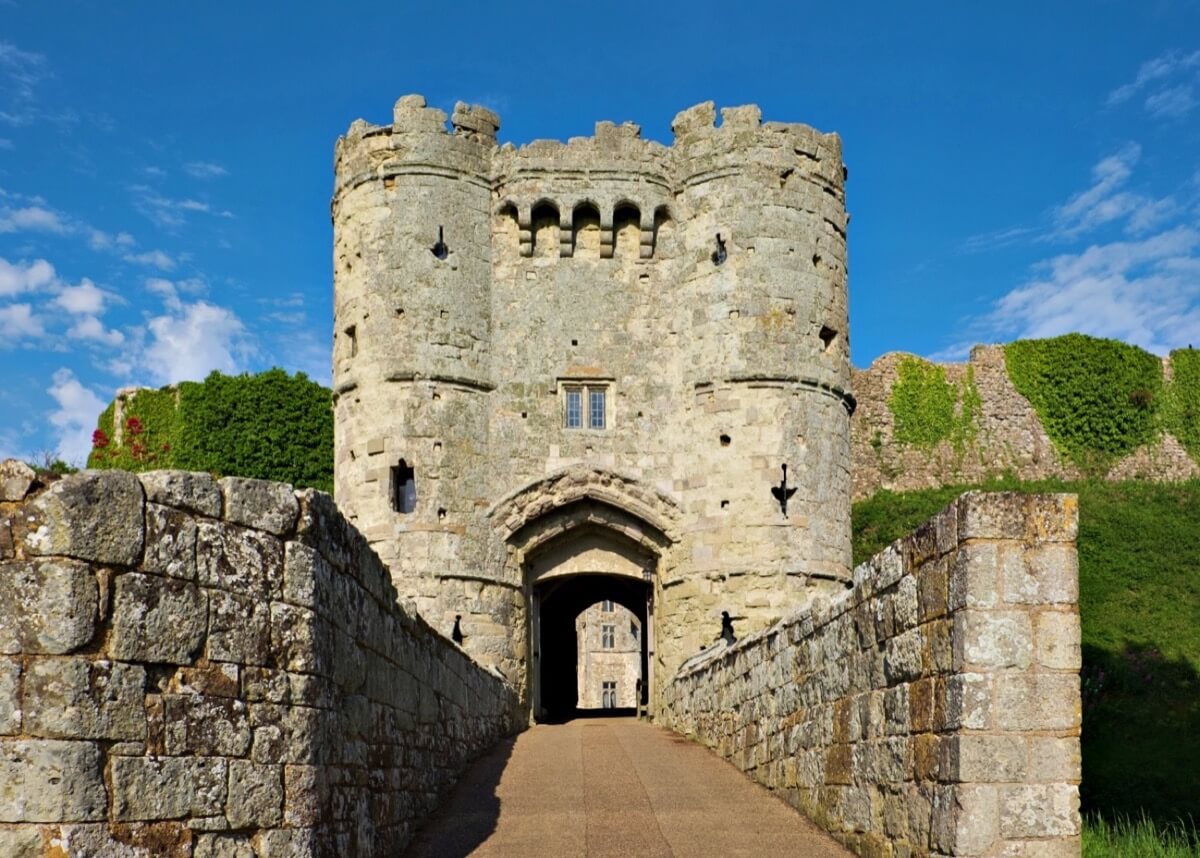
<point x="133" y="426"/>
<point x="99" y="439"/>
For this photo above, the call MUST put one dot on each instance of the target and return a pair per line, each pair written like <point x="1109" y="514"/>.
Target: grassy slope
<point x="1139" y="569"/>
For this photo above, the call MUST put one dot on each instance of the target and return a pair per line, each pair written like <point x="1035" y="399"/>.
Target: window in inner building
<point x="404" y="488"/>
<point x="608" y="636"/>
<point x="607" y="606"/>
<point x="608" y="695"/>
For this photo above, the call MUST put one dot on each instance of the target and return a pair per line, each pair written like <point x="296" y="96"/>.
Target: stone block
<point x="1039" y="810"/>
<point x="239" y="560"/>
<point x="1058" y="642"/>
<point x="16" y="479"/>
<point x="255" y="795"/>
<point x="21" y="842"/>
<point x="208" y="726"/>
<point x="170" y="542"/>
<point x="260" y="504"/>
<point x="73" y="698"/>
<point x="186" y="490"/>
<point x="973" y="758"/>
<point x="1059" y="847"/>
<point x="47" y="606"/>
<point x="903" y="657"/>
<point x="1052" y="518"/>
<point x="305" y="787"/>
<point x="223" y="846"/>
<point x="975" y="575"/>
<point x="150" y="788"/>
<point x="286" y="843"/>
<point x="10" y="699"/>
<point x="92" y="515"/>
<point x="966" y="819"/>
<point x="239" y="629"/>
<point x="933" y="589"/>
<point x="992" y="639"/>
<point x="1054" y="760"/>
<point x="302" y="641"/>
<point x="1038" y="701"/>
<point x="991" y="515"/>
<point x="968" y="702"/>
<point x="45" y="780"/>
<point x="157" y="619"/>
<point x="307" y="576"/>
<point x="1048" y="575"/>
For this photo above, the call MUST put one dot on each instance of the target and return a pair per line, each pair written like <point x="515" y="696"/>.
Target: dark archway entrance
<point x="558" y="602"/>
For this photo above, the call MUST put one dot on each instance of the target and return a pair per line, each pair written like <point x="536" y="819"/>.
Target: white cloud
<point x="1164" y="100"/>
<point x="191" y="340"/>
<point x="98" y="239"/>
<point x="21" y="71"/>
<point x="1144" y="292"/>
<point x="204" y="169"/>
<point x="1171" y="103"/>
<point x="75" y="418"/>
<point x="17" y="322"/>
<point x="24" y="276"/>
<point x="1108" y="202"/>
<point x="31" y="219"/>
<point x="84" y="299"/>
<point x="91" y="329"/>
<point x="155" y="258"/>
<point x="5" y="143"/>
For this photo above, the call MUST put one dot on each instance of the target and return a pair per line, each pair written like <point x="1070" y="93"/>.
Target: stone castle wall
<point x="1010" y="438"/>
<point x="220" y="670"/>
<point x="594" y="264"/>
<point x="934" y="708"/>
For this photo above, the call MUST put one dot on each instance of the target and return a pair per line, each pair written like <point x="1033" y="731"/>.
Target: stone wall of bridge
<point x="192" y="667"/>
<point x="933" y="709"/>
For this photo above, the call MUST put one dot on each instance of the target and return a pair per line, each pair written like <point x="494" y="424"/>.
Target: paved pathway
<point x="613" y="787"/>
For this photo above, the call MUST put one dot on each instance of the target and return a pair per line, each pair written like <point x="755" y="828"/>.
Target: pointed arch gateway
<point x="579" y="537"/>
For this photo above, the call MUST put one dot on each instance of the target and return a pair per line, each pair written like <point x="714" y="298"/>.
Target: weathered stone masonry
<point x="194" y="667"/>
<point x="934" y="708"/>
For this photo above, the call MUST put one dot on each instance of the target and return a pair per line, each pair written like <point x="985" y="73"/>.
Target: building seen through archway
<point x="608" y="660"/>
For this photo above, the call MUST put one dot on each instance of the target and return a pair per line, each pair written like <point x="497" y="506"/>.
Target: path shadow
<point x="587" y="715"/>
<point x="1141" y="735"/>
<point x="468" y="815"/>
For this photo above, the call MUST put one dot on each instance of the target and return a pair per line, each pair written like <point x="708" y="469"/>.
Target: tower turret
<point x="412" y="336"/>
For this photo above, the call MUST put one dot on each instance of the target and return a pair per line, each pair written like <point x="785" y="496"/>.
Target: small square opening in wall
<point x="827" y="335"/>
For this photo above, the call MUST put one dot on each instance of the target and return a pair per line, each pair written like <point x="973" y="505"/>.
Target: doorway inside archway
<point x="593" y="641"/>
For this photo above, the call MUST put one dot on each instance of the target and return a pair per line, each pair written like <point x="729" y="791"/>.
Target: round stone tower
<point x="412" y="332"/>
<point x="764" y="270"/>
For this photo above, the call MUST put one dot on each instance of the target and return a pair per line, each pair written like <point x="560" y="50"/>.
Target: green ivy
<point x="148" y="433"/>
<point x="1097" y="399"/>
<point x="271" y="426"/>
<point x="927" y="408"/>
<point x="1181" y="404"/>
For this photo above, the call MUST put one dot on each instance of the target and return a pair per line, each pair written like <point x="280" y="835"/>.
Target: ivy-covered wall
<point x="1097" y="399"/>
<point x="1069" y="407"/>
<point x="271" y="426"/>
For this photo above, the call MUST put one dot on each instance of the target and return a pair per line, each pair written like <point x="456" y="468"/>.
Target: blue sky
<point x="165" y="168"/>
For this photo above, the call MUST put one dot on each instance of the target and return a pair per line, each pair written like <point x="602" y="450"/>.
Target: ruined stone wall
<point x="932" y="709"/>
<point x="594" y="264"/>
<point x="200" y="668"/>
<point x="1009" y="438"/>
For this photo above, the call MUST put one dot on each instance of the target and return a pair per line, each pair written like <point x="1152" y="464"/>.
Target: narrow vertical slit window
<point x="607" y="606"/>
<point x="404" y="488"/>
<point x="352" y="340"/>
<point x="608" y="636"/>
